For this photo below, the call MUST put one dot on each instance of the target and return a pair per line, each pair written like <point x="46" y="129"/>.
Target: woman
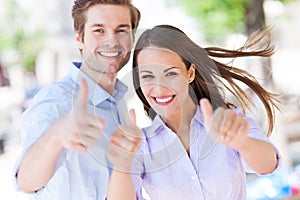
<point x="192" y="151"/>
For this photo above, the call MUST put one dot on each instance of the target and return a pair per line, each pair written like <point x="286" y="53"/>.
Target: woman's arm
<point x="259" y="155"/>
<point x="231" y="129"/>
<point x="125" y="142"/>
<point x="121" y="186"/>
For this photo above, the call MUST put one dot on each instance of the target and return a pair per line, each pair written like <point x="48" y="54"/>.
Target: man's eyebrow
<point x="97" y="25"/>
<point x="124" y="26"/>
<point x="119" y="26"/>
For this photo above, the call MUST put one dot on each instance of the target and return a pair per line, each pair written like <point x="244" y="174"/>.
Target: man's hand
<point x="224" y="125"/>
<point x="79" y="129"/>
<point x="125" y="142"/>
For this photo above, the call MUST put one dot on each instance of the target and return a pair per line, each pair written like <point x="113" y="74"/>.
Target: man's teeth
<point x="163" y="100"/>
<point x="109" y="54"/>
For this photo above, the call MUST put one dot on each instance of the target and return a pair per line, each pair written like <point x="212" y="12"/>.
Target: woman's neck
<point x="180" y="121"/>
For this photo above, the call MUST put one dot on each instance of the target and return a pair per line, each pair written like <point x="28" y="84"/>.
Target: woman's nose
<point x="160" y="85"/>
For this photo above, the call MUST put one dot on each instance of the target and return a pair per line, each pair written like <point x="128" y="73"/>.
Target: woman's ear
<point x="78" y="38"/>
<point x="191" y="73"/>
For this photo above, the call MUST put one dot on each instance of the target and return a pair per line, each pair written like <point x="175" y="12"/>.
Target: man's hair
<point x="80" y="8"/>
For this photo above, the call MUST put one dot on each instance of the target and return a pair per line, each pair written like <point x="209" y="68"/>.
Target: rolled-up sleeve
<point x="35" y="121"/>
<point x="256" y="133"/>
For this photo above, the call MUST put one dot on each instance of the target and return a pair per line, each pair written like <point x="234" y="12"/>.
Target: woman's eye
<point x="171" y="74"/>
<point x="147" y="76"/>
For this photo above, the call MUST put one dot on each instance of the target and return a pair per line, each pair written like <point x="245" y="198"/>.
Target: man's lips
<point x="110" y="54"/>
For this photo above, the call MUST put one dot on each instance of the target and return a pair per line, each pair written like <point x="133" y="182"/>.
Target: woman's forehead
<point x="157" y="55"/>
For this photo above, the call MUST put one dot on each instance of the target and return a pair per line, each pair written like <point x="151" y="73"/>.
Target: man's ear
<point x="78" y="38"/>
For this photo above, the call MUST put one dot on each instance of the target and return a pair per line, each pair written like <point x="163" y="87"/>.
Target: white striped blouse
<point x="211" y="171"/>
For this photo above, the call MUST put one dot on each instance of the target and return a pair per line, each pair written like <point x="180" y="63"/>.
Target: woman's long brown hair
<point x="212" y="77"/>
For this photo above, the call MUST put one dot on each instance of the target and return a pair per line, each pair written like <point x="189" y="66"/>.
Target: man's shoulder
<point x="52" y="96"/>
<point x="63" y="88"/>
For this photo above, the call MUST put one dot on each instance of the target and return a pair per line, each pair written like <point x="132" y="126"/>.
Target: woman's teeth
<point x="164" y="100"/>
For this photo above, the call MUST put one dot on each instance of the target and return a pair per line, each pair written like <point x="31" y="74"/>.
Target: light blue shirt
<point x="77" y="176"/>
<point x="211" y="172"/>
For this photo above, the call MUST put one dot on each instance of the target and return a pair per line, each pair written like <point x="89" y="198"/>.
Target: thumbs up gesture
<point x="224" y="125"/>
<point x="79" y="130"/>
<point x="125" y="142"/>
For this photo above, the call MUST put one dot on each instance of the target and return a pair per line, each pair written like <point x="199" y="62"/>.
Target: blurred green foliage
<point x="218" y="17"/>
<point x="18" y="36"/>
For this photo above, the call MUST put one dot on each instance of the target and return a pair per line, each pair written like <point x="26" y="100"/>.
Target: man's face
<point x="107" y="38"/>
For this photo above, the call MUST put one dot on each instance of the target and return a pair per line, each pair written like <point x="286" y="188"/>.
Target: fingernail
<point x="203" y="101"/>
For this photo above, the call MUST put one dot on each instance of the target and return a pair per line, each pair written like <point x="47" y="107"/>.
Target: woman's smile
<point x="163" y="100"/>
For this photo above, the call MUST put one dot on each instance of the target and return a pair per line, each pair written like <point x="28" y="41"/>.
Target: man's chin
<point x="112" y="69"/>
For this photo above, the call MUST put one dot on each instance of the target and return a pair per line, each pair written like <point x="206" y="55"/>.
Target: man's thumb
<point x="207" y="111"/>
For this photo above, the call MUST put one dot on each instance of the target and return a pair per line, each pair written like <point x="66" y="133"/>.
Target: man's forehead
<point x="109" y="15"/>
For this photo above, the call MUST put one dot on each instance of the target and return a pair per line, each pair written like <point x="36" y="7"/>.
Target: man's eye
<point x="125" y="31"/>
<point x="99" y="30"/>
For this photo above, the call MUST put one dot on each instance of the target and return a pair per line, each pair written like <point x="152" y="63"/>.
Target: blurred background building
<point x="37" y="46"/>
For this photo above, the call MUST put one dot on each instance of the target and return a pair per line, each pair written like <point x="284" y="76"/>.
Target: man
<point x="70" y="117"/>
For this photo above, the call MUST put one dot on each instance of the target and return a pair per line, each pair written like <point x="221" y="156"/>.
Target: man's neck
<point x="107" y="82"/>
<point x="104" y="80"/>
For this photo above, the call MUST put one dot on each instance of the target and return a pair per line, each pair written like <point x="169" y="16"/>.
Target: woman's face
<point x="164" y="80"/>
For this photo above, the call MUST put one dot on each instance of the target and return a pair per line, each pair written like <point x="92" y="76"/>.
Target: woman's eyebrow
<point x="145" y="71"/>
<point x="170" y="69"/>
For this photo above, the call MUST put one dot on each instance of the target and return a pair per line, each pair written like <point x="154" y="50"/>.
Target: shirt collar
<point x="96" y="93"/>
<point x="198" y="116"/>
<point x="158" y="124"/>
<point x="120" y="90"/>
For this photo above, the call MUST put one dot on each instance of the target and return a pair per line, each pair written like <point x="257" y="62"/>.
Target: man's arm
<point x="39" y="162"/>
<point x="75" y="131"/>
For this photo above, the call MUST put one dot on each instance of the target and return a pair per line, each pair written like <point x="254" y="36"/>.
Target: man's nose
<point x="111" y="40"/>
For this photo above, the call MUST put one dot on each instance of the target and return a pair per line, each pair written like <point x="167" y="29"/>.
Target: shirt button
<point x="194" y="178"/>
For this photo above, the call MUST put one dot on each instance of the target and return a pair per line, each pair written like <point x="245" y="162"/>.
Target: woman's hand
<point x="125" y="142"/>
<point x="224" y="125"/>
